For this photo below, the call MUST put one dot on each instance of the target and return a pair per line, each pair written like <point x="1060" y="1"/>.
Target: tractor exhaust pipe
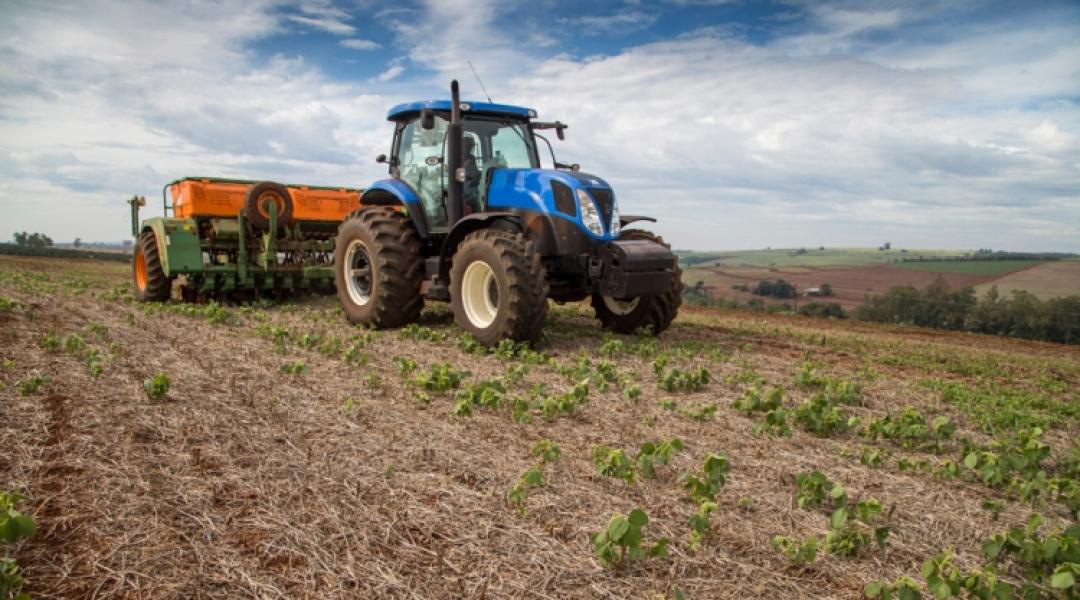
<point x="455" y="162"/>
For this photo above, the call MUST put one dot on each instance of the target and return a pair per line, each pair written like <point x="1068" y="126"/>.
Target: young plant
<point x="611" y="462"/>
<point x="31" y="383"/>
<point x="904" y="588"/>
<point x="705" y="485"/>
<point x="547" y="450"/>
<point x="652" y="454"/>
<point x="516" y="497"/>
<point x="821" y="416"/>
<point x="157" y="386"/>
<point x="294" y="368"/>
<point x="484" y="394"/>
<point x="705" y="412"/>
<point x="622" y="540"/>
<point x="775" y="423"/>
<point x="14" y="526"/>
<point x="677" y="380"/>
<point x="699" y="524"/>
<point x="798" y="552"/>
<point x="754" y="401"/>
<point x="414" y="331"/>
<point x="440" y="379"/>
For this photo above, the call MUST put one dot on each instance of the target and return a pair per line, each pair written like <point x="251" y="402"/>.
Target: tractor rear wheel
<point x="654" y="313"/>
<point x="378" y="268"/>
<point x="151" y="284"/>
<point x="258" y="200"/>
<point x="498" y="288"/>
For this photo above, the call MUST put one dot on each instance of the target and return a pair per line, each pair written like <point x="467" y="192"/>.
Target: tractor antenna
<point x="480" y="82"/>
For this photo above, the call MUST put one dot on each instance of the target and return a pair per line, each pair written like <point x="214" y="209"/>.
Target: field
<point x="971" y="267"/>
<point x="1058" y="278"/>
<point x="294" y="456"/>
<point x="809" y="257"/>
<point x="850" y="285"/>
<point x="854" y="273"/>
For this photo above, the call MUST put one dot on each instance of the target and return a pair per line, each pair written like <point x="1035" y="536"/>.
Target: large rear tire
<point x="151" y="284"/>
<point x="258" y="199"/>
<point x="653" y="313"/>
<point x="378" y="269"/>
<point x="498" y="288"/>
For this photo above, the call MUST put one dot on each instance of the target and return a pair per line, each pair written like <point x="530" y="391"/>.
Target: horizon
<point x="737" y="126"/>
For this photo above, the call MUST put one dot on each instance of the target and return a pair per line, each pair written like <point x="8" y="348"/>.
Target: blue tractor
<point x="468" y="216"/>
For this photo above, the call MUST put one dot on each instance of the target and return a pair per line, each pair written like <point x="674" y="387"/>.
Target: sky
<point x="736" y="124"/>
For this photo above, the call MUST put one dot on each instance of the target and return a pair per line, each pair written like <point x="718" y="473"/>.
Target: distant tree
<point x="887" y="245"/>
<point x="826" y="289"/>
<point x="33" y="240"/>
<point x="822" y="309"/>
<point x="77" y="243"/>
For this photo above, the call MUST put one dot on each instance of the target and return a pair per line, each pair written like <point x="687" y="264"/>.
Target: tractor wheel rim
<point x="621" y="307"/>
<point x="264" y="210"/>
<point x="140" y="270"/>
<point x="358" y="272"/>
<point x="480" y="294"/>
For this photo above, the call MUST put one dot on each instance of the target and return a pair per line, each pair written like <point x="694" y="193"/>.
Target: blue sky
<point x="737" y="124"/>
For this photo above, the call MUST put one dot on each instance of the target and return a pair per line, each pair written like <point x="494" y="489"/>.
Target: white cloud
<point x="392" y="71"/>
<point x="622" y="22"/>
<point x="325" y="16"/>
<point x="358" y="44"/>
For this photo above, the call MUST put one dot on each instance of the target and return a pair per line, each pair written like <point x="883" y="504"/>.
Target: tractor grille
<point x="604" y="201"/>
<point x="564" y="198"/>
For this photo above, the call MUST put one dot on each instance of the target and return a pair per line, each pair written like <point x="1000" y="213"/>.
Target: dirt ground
<point x="850" y="285"/>
<point x="1047" y="280"/>
<point x="337" y="482"/>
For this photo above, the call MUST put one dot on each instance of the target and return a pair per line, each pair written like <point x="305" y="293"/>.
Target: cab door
<point x="420" y="163"/>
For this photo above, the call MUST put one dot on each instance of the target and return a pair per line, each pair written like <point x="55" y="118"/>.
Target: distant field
<point x="829" y="257"/>
<point x="973" y="267"/>
<point x="1048" y="280"/>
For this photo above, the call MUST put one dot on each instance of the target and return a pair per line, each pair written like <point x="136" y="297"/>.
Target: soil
<point x="245" y="481"/>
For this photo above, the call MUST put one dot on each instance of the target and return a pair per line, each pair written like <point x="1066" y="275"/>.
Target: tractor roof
<point x="403" y="110"/>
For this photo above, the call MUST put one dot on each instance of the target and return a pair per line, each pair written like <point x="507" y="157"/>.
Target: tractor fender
<point x="468" y="224"/>
<point x="178" y="244"/>
<point x="395" y="192"/>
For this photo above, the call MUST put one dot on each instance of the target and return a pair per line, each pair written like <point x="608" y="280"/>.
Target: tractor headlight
<point x="614" y="227"/>
<point x="590" y="216"/>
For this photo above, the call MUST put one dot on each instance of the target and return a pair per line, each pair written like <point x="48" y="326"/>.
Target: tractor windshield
<point x="490" y="143"/>
<point x="498" y="143"/>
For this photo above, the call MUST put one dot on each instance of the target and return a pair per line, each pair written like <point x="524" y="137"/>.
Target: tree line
<point x="1020" y="314"/>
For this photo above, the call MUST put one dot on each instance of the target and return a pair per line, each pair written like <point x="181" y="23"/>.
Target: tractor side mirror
<point x="427" y="119"/>
<point x="560" y="130"/>
<point x="380" y="158"/>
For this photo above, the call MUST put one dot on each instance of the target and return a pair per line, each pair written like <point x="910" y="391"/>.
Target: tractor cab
<point x="494" y="136"/>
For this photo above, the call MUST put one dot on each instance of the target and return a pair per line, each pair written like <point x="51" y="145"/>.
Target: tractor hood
<point x="556" y="192"/>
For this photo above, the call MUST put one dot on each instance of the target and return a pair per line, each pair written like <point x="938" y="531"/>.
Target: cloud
<point x="358" y="44"/>
<point x="325" y="16"/>
<point x="622" y="22"/>
<point x="392" y="71"/>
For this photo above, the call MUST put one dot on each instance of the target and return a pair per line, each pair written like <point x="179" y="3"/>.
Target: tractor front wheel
<point x="653" y="313"/>
<point x="151" y="284"/>
<point x="497" y="287"/>
<point x="378" y="269"/>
